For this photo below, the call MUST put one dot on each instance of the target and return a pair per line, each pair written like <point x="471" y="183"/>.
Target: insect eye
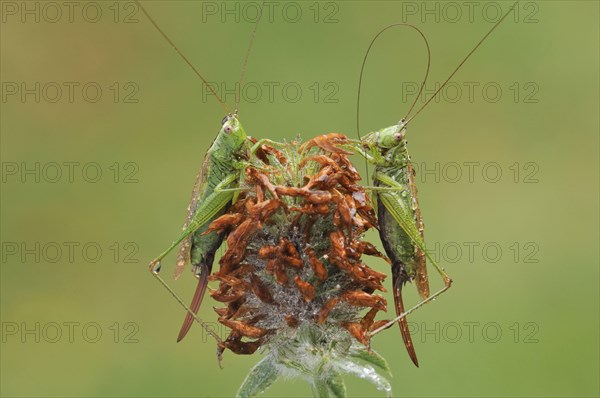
<point x="228" y="129"/>
<point x="398" y="136"/>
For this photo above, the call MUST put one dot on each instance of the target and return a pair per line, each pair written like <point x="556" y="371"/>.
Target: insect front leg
<point x="221" y="187"/>
<point x="263" y="141"/>
<point x="367" y="150"/>
<point x="242" y="165"/>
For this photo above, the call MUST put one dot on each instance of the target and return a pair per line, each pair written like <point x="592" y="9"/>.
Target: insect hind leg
<point x="189" y="311"/>
<point x="206" y="211"/>
<point x="407" y="224"/>
<point x="447" y="284"/>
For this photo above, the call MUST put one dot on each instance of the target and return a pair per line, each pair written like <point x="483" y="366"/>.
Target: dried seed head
<point x="294" y="248"/>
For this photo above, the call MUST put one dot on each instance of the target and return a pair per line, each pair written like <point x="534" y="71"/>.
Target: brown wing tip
<point x="178" y="272"/>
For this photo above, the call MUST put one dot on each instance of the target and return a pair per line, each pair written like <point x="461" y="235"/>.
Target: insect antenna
<point x="362" y="69"/>
<point x="462" y="62"/>
<point x="248" y="51"/>
<point x="185" y="59"/>
<point x="224" y="105"/>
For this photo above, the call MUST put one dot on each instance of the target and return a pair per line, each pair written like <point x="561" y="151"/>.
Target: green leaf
<point x="320" y="388"/>
<point x="336" y="385"/>
<point x="260" y="377"/>
<point x="371" y="357"/>
<point x="366" y="372"/>
<point x="295" y="366"/>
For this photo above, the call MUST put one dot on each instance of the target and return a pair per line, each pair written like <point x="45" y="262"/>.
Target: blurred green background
<point x="522" y="318"/>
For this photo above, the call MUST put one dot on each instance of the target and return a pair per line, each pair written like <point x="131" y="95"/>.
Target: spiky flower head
<point x="293" y="279"/>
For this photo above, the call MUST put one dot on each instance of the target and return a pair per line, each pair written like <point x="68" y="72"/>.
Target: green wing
<point x="395" y="205"/>
<point x="183" y="255"/>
